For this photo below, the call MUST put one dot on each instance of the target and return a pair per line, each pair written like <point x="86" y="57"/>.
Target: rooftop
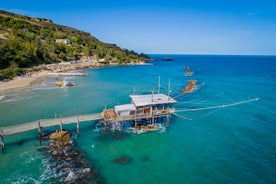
<point x="155" y="99"/>
<point x="125" y="107"/>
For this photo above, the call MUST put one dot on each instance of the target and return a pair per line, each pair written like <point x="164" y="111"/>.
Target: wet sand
<point x="23" y="82"/>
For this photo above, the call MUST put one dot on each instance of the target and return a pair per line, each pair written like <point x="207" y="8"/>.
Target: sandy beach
<point x="23" y="82"/>
<point x="50" y="70"/>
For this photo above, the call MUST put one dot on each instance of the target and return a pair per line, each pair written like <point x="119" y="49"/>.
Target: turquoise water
<point x="234" y="144"/>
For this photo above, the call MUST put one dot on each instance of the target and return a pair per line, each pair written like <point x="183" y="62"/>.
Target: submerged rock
<point x="123" y="159"/>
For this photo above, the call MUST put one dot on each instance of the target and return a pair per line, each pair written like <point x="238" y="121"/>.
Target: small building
<point x="143" y="110"/>
<point x="64" y="41"/>
<point x="152" y="100"/>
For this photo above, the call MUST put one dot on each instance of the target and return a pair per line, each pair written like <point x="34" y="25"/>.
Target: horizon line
<point x="271" y="55"/>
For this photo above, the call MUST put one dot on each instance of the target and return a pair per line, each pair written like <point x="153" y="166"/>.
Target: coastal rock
<point x="54" y="152"/>
<point x="65" y="169"/>
<point x="70" y="84"/>
<point x="189" y="73"/>
<point x="59" y="83"/>
<point x="190" y="87"/>
<point x="86" y="170"/>
<point x="61" y="136"/>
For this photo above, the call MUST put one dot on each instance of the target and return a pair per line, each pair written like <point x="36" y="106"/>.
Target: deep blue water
<point x="234" y="144"/>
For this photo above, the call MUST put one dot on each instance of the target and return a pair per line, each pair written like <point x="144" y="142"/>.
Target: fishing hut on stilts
<point x="144" y="112"/>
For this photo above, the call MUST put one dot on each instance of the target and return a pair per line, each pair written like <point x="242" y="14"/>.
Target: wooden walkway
<point x="9" y="130"/>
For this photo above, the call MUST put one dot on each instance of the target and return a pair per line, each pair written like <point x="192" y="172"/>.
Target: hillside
<point x="26" y="42"/>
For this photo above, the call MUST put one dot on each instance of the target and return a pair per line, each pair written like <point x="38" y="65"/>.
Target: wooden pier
<point x="143" y="111"/>
<point x="43" y="123"/>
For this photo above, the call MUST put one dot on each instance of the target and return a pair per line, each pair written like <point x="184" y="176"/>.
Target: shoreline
<point x="60" y="69"/>
<point x="23" y="82"/>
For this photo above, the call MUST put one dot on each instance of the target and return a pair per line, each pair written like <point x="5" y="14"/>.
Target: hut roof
<point x="125" y="107"/>
<point x="155" y="99"/>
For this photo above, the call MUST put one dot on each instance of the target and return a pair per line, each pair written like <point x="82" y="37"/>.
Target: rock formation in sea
<point x="190" y="87"/>
<point x="67" y="163"/>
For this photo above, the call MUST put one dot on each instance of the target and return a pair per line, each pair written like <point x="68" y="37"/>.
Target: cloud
<point x="253" y="13"/>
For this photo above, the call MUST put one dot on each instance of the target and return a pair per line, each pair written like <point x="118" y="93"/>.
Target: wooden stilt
<point x="2" y="147"/>
<point x="168" y="120"/>
<point x="121" y="126"/>
<point x="113" y="126"/>
<point x="78" y="126"/>
<point x="39" y="132"/>
<point x="60" y="124"/>
<point x="105" y="125"/>
<point x="135" y="121"/>
<point x="1" y="141"/>
<point x="152" y="114"/>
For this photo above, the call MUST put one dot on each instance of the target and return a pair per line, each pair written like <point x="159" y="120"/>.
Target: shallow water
<point x="224" y="145"/>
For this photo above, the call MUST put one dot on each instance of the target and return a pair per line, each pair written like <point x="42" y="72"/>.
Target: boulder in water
<point x="190" y="87"/>
<point x="61" y="136"/>
<point x="69" y="84"/>
<point x="59" y="83"/>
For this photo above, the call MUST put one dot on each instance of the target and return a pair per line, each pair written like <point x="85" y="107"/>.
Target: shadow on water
<point x="108" y="135"/>
<point x="145" y="159"/>
<point x="21" y="142"/>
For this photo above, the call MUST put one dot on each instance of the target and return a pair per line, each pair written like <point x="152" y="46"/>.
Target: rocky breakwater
<point x="67" y="164"/>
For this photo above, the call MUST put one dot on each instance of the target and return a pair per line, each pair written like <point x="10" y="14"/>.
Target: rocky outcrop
<point x="67" y="164"/>
<point x="190" y="87"/>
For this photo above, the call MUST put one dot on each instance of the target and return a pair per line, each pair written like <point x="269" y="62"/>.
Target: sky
<point x="234" y="27"/>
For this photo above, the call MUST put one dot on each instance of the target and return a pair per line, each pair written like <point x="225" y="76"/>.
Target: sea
<point x="222" y="132"/>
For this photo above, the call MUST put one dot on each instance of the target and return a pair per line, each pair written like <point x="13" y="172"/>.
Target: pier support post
<point x="39" y="132"/>
<point x="1" y="141"/>
<point x="121" y="126"/>
<point x="135" y="121"/>
<point x="168" y="120"/>
<point x="78" y="126"/>
<point x="152" y="114"/>
<point x="105" y="126"/>
<point x="60" y="124"/>
<point x="113" y="127"/>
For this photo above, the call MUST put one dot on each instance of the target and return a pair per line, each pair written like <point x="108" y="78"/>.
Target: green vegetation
<point x="26" y="42"/>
